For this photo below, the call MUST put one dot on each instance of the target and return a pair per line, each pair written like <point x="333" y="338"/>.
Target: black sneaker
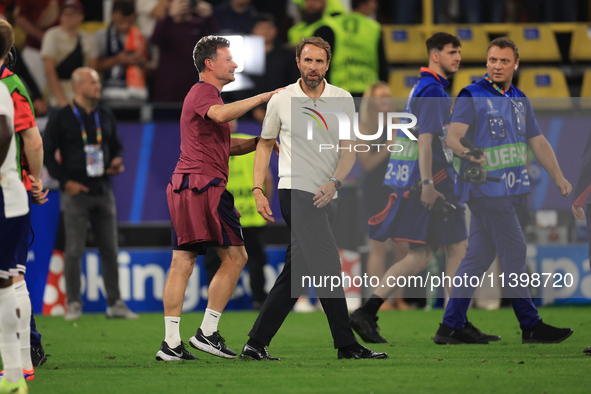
<point x="450" y="336"/>
<point x="363" y="352"/>
<point x="250" y="353"/>
<point x="213" y="344"/>
<point x="366" y="326"/>
<point x="587" y="351"/>
<point x="479" y="334"/>
<point x="38" y="356"/>
<point x="177" y="354"/>
<point x="544" y="333"/>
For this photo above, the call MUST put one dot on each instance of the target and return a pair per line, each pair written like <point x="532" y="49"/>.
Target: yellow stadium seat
<point x="404" y="44"/>
<point x="547" y="82"/>
<point x="536" y="43"/>
<point x="586" y="90"/>
<point x="92" y="27"/>
<point x="580" y="45"/>
<point x="402" y="81"/>
<point x="474" y="40"/>
<point x="464" y="77"/>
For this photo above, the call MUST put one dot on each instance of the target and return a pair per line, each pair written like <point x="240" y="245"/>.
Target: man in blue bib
<point x="493" y="114"/>
<point x="429" y="162"/>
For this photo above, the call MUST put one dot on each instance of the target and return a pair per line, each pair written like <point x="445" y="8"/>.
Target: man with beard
<point x="308" y="186"/>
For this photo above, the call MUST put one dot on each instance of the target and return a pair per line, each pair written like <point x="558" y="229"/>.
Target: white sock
<point x="9" y="343"/>
<point x="172" y="335"/>
<point x="24" y="323"/>
<point x="209" y="325"/>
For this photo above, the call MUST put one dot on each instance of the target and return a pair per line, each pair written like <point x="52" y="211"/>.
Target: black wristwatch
<point x="337" y="183"/>
<point x="427" y="182"/>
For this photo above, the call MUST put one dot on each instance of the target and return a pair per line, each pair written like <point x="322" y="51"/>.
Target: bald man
<point x="86" y="135"/>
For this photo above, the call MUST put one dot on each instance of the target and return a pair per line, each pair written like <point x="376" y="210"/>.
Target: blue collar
<point x="219" y="94"/>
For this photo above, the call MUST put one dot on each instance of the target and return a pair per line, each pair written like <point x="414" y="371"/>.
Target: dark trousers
<point x="312" y="251"/>
<point x="35" y="336"/>
<point x="494" y="229"/>
<point x="257" y="258"/>
<point x="99" y="210"/>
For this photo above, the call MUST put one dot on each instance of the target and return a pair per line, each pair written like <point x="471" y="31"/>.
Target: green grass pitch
<point x="96" y="355"/>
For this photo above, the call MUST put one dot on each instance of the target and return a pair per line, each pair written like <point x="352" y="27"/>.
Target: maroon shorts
<point x="202" y="213"/>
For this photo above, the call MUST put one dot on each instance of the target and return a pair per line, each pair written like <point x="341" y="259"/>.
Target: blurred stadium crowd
<point x="141" y="48"/>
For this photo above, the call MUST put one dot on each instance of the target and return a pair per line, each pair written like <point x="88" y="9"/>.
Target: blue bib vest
<point x="499" y="129"/>
<point x="403" y="168"/>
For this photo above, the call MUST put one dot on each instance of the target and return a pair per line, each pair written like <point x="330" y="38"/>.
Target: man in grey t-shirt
<point x="309" y="180"/>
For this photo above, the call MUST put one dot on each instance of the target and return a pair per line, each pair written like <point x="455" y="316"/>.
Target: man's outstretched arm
<point x="227" y="112"/>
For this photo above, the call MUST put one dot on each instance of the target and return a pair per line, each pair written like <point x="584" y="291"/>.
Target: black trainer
<point x="451" y="336"/>
<point x="366" y="326"/>
<point x="177" y="354"/>
<point x="479" y="334"/>
<point x="587" y="351"/>
<point x="362" y="352"/>
<point x="38" y="356"/>
<point x="250" y="353"/>
<point x="213" y="344"/>
<point x="544" y="333"/>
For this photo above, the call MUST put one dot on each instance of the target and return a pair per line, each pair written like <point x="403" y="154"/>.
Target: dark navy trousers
<point x="494" y="229"/>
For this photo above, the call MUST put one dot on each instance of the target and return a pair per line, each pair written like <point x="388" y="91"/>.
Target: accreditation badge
<point x="95" y="163"/>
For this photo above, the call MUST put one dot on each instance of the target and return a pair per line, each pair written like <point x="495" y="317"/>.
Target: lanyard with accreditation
<point x="95" y="165"/>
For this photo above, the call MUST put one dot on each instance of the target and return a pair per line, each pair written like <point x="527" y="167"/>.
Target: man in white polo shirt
<point x="310" y="170"/>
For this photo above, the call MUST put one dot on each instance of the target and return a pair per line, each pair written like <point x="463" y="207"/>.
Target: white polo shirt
<point x="14" y="194"/>
<point x="306" y="133"/>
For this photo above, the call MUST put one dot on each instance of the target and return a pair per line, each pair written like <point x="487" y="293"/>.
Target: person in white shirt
<point x="310" y="169"/>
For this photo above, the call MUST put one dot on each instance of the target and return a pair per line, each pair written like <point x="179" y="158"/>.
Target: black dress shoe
<point x="38" y="356"/>
<point x="479" y="334"/>
<point x="452" y="336"/>
<point x="545" y="333"/>
<point x="366" y="326"/>
<point x="362" y="352"/>
<point x="250" y="353"/>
